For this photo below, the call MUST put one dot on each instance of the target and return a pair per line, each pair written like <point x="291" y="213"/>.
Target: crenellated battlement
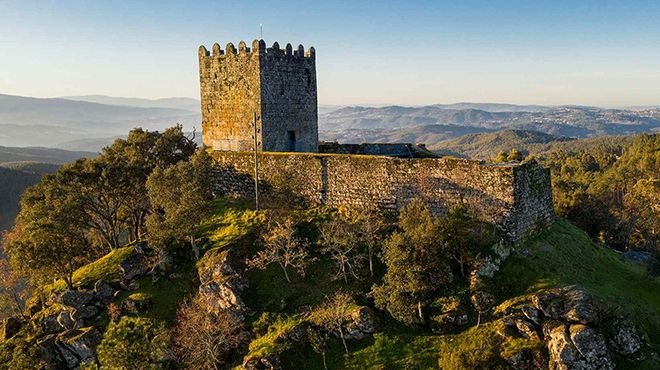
<point x="259" y="48"/>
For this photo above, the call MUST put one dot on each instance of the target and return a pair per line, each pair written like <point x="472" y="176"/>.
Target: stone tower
<point x="278" y="84"/>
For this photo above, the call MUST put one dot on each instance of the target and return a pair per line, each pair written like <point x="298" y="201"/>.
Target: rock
<point x="487" y="267"/>
<point x="626" y="339"/>
<point x="84" y="312"/>
<point x="580" y="308"/>
<point x="136" y="303"/>
<point x="48" y="323"/>
<point x="104" y="292"/>
<point x="9" y="327"/>
<point x="532" y="314"/>
<point x="563" y="354"/>
<point x="507" y="331"/>
<point x="362" y="323"/>
<point x="592" y="347"/>
<point x="79" y="346"/>
<point x="65" y="320"/>
<point x="220" y="284"/>
<point x="136" y="264"/>
<point x="75" y="298"/>
<point x="269" y="362"/>
<point x="528" y="359"/>
<point x="571" y="303"/>
<point x="527" y="329"/>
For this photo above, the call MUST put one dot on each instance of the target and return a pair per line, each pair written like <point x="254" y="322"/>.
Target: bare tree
<point x="203" y="340"/>
<point x="341" y="241"/>
<point x="334" y="314"/>
<point x="283" y="247"/>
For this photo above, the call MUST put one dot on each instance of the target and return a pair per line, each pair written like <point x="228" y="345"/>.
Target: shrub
<point x="133" y="343"/>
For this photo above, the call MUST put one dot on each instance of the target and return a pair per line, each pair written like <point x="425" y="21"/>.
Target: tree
<point x="138" y="155"/>
<point x="515" y="155"/>
<point x="203" y="340"/>
<point x="14" y="290"/>
<point x="48" y="240"/>
<point x="179" y="195"/>
<point x="501" y="157"/>
<point x="319" y="343"/>
<point x="370" y="229"/>
<point x="415" y="265"/>
<point x="282" y="246"/>
<point x="334" y="314"/>
<point x="341" y="242"/>
<point x="133" y="343"/>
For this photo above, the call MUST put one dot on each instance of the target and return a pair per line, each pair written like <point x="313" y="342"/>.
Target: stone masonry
<point x="516" y="198"/>
<point x="279" y="85"/>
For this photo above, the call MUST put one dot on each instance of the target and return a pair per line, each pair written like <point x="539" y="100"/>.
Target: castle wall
<point x="516" y="198"/>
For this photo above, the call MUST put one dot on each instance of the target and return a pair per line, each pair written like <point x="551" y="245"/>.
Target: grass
<point x="231" y="220"/>
<point x="106" y="268"/>
<point x="165" y="295"/>
<point x="563" y="255"/>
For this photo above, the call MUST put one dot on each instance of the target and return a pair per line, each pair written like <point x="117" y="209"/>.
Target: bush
<point x="133" y="343"/>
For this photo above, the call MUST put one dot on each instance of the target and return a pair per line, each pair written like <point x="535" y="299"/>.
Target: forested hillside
<point x="134" y="262"/>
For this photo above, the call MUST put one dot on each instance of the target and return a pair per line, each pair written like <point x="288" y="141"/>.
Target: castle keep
<point x="280" y="87"/>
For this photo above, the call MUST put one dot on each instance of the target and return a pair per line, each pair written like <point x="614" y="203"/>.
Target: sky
<point x="590" y="52"/>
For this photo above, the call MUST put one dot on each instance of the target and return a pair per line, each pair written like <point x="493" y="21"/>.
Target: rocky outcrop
<point x="575" y="332"/>
<point x="362" y="323"/>
<point x="220" y="284"/>
<point x="268" y="362"/>
<point x="136" y="264"/>
<point x="9" y="327"/>
<point x="74" y="298"/>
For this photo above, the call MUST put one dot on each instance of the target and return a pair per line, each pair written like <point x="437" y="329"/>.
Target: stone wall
<point x="279" y="85"/>
<point x="516" y="198"/>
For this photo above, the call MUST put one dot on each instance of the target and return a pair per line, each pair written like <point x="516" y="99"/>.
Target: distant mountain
<point x="23" y="167"/>
<point x="429" y="134"/>
<point x="569" y="121"/>
<point x="41" y="155"/>
<point x="495" y="107"/>
<point x="28" y="121"/>
<point x="486" y="145"/>
<point x="188" y="104"/>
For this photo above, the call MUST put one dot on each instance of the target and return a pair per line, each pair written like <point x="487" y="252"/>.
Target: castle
<point x="266" y="98"/>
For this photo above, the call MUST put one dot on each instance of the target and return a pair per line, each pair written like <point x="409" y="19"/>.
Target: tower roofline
<point x="258" y="46"/>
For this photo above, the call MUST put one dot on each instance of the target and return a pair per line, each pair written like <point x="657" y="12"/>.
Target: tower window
<point x="292" y="140"/>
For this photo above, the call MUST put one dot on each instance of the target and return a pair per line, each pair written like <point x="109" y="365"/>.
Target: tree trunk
<point x="325" y="364"/>
<point x="343" y="340"/>
<point x="478" y="318"/>
<point x="195" y="248"/>
<point x="371" y="262"/>
<point x="286" y="274"/>
<point x="419" y="311"/>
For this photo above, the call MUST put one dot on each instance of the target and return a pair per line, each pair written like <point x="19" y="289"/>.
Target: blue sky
<point x="592" y="52"/>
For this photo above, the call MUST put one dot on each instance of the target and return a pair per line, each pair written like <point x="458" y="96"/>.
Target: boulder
<point x="104" y="292"/>
<point x="528" y="359"/>
<point x="9" y="327"/>
<point x="626" y="339"/>
<point x="136" y="264"/>
<point x="563" y="354"/>
<point x="84" y="313"/>
<point x="362" y="323"/>
<point x="532" y="314"/>
<point x="65" y="320"/>
<point x="79" y="346"/>
<point x="75" y="298"/>
<point x="220" y="284"/>
<point x="571" y="303"/>
<point x="527" y="329"/>
<point x="269" y="362"/>
<point x="592" y="347"/>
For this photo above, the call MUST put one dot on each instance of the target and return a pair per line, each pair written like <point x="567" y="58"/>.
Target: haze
<point x="601" y="53"/>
